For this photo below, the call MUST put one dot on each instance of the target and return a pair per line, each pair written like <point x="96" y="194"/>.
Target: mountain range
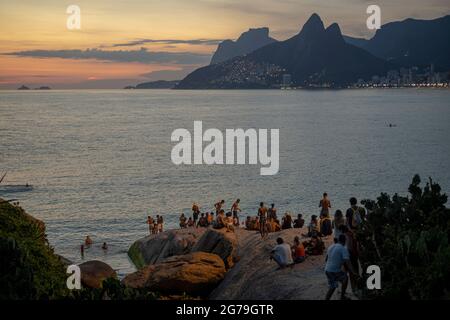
<point x="323" y="56"/>
<point x="248" y="41"/>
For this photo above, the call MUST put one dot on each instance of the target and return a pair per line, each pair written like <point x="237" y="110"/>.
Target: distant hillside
<point x="358" y="42"/>
<point x="315" y="56"/>
<point x="413" y="42"/>
<point x="248" y="42"/>
<point x="159" y="84"/>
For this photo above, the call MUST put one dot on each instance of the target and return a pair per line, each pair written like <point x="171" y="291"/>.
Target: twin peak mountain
<point x="316" y="55"/>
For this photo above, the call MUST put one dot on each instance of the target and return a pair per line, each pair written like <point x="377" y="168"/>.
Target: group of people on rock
<point x="155" y="225"/>
<point x="342" y="258"/>
<point x="217" y="218"/>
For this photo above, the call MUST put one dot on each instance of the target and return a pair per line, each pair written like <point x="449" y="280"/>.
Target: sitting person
<point x="287" y="221"/>
<point x="315" y="246"/>
<point x="281" y="253"/>
<point x="298" y="251"/>
<point x="190" y="222"/>
<point x="229" y="221"/>
<point x="203" y="221"/>
<point x="182" y="221"/>
<point x="220" y="221"/>
<point x="313" y="227"/>
<point x="299" y="222"/>
<point x="248" y="223"/>
<point x="325" y="226"/>
<point x="252" y="223"/>
<point x="210" y="217"/>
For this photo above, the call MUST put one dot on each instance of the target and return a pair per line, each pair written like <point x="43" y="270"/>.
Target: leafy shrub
<point x="28" y="267"/>
<point x="408" y="238"/>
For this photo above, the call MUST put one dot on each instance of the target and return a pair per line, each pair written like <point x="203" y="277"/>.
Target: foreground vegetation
<point x="408" y="238"/>
<point x="30" y="270"/>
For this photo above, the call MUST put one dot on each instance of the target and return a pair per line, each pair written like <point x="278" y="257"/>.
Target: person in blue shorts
<point x="337" y="258"/>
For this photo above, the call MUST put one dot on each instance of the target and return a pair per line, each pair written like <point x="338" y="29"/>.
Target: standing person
<point x="337" y="258"/>
<point x="354" y="214"/>
<point x="150" y="223"/>
<point x="218" y="206"/>
<point x="182" y="221"/>
<point x="156" y="224"/>
<point x="262" y="215"/>
<point x="325" y="204"/>
<point x="160" y="222"/>
<point x="282" y="255"/>
<point x="352" y="246"/>
<point x="195" y="212"/>
<point x="272" y="213"/>
<point x="235" y="208"/>
<point x="337" y="222"/>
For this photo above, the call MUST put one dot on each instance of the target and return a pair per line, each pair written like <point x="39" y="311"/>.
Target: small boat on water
<point x="12" y="188"/>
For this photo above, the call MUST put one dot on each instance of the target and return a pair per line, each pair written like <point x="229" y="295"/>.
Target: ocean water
<point x="99" y="160"/>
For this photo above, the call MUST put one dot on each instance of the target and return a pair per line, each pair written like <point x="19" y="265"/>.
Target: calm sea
<point x="99" y="160"/>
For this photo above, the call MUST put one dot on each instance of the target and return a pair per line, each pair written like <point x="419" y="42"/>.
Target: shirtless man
<point x="195" y="212"/>
<point x="150" y="223"/>
<point x="262" y="214"/>
<point x="235" y="208"/>
<point x="272" y="213"/>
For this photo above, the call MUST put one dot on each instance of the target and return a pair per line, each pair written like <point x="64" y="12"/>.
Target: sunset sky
<point x="127" y="42"/>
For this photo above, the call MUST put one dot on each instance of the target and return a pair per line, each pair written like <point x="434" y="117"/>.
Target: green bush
<point x="408" y="238"/>
<point x="28" y="267"/>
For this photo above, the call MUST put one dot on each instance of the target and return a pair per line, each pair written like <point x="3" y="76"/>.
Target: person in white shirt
<point x="337" y="257"/>
<point x="282" y="254"/>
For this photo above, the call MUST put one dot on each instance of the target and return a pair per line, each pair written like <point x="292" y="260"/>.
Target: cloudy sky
<point x="126" y="42"/>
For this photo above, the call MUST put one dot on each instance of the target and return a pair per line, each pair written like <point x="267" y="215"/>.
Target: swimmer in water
<point x="88" y="241"/>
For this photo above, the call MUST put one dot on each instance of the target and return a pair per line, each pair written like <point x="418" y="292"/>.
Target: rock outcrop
<point x="94" y="272"/>
<point x="220" y="242"/>
<point x="255" y="276"/>
<point x="195" y="274"/>
<point x="154" y="248"/>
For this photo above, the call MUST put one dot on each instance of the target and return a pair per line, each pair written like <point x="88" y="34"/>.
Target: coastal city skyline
<point x="126" y="43"/>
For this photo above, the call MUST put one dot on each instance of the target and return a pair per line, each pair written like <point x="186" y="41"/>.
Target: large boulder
<point x="94" y="272"/>
<point x="195" y="274"/>
<point x="156" y="247"/>
<point x="220" y="242"/>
